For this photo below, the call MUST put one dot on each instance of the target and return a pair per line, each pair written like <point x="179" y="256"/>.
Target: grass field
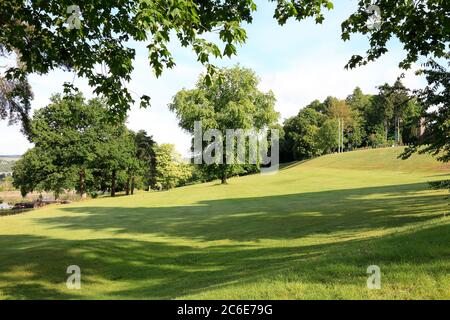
<point x="308" y="232"/>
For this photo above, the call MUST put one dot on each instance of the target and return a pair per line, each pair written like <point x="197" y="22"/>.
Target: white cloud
<point x="12" y="141"/>
<point x="324" y="75"/>
<point x="157" y="120"/>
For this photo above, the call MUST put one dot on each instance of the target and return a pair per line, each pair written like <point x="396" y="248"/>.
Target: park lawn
<point x="308" y="232"/>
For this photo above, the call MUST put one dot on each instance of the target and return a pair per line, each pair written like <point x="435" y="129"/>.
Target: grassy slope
<point x="308" y="232"/>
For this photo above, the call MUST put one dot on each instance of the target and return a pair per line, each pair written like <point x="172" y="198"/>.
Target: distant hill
<point x="7" y="162"/>
<point x="13" y="157"/>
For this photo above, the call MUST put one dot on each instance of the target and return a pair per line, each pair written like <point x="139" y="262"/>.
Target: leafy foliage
<point x="390" y="117"/>
<point x="38" y="170"/>
<point x="231" y="101"/>
<point x="420" y="25"/>
<point x="6" y="184"/>
<point x="15" y="99"/>
<point x="170" y="169"/>
<point x="38" y="31"/>
<point x="75" y="147"/>
<point x="145" y="153"/>
<point x="435" y="99"/>
<point x="327" y="137"/>
<point x="301" y="134"/>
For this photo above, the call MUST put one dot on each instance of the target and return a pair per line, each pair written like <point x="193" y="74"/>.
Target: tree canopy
<point x="45" y="35"/>
<point x="77" y="148"/>
<point x="391" y="117"/>
<point x="171" y="171"/>
<point x="435" y="113"/>
<point x="231" y="101"/>
<point x="38" y="32"/>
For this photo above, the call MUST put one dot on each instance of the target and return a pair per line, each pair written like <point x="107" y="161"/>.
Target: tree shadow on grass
<point x="130" y="269"/>
<point x="123" y="267"/>
<point x="35" y="267"/>
<point x="275" y="217"/>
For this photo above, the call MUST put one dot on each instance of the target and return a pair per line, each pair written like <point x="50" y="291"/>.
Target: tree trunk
<point x="113" y="184"/>
<point x="421" y="130"/>
<point x="82" y="184"/>
<point x="339" y="135"/>
<point x="127" y="187"/>
<point x="386" y="126"/>
<point x="132" y="184"/>
<point x="397" y="131"/>
<point x="224" y="178"/>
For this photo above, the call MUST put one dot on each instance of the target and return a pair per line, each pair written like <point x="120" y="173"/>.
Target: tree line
<point x="78" y="147"/>
<point x="45" y="43"/>
<point x="390" y="117"/>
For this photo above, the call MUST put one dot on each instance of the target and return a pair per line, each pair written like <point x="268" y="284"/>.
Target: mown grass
<point x="308" y="232"/>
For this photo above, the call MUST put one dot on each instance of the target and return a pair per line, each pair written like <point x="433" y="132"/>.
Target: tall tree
<point x="327" y="136"/>
<point x="339" y="110"/>
<point x="300" y="134"/>
<point x="116" y="153"/>
<point x="360" y="105"/>
<point x="78" y="135"/>
<point x="358" y="101"/>
<point x="36" y="171"/>
<point x="395" y="101"/>
<point x="145" y="152"/>
<point x="232" y="101"/>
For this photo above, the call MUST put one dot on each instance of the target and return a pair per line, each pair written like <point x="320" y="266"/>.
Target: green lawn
<point x="308" y="232"/>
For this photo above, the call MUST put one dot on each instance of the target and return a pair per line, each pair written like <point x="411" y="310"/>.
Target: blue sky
<point x="299" y="62"/>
